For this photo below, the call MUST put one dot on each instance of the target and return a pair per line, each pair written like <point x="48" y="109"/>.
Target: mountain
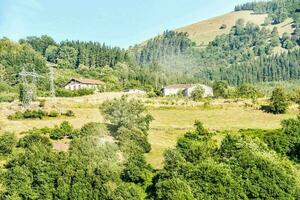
<point x="258" y="42"/>
<point x="206" y="31"/>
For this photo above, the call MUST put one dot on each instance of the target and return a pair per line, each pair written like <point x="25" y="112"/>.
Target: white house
<point x="76" y="84"/>
<point x="187" y="89"/>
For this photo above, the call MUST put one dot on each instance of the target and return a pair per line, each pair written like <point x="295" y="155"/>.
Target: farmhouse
<point x="76" y="84"/>
<point x="187" y="89"/>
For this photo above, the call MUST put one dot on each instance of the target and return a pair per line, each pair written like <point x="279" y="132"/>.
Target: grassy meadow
<point x="170" y="121"/>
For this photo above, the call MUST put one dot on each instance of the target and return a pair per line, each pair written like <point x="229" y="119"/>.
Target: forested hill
<point x="76" y="53"/>
<point x="263" y="49"/>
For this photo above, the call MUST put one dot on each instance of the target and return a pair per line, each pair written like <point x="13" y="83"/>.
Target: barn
<point x="76" y="84"/>
<point x="187" y="89"/>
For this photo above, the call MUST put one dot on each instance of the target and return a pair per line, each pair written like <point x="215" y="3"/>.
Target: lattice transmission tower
<point x="28" y="89"/>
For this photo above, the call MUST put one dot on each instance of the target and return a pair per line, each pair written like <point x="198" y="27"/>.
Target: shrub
<point x="220" y="89"/>
<point x="128" y="113"/>
<point x="32" y="139"/>
<point x="197" y="94"/>
<point x="42" y="103"/>
<point x="248" y="91"/>
<point x="57" y="134"/>
<point x="7" y="143"/>
<point x="65" y="129"/>
<point x="69" y="113"/>
<point x="223" y="26"/>
<point x="74" y="93"/>
<point x="53" y="114"/>
<point x="279" y="101"/>
<point x="34" y="114"/>
<point x="16" y="115"/>
<point x="91" y="129"/>
<point x="7" y="97"/>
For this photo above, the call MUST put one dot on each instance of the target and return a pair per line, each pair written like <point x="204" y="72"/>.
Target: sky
<point x="114" y="22"/>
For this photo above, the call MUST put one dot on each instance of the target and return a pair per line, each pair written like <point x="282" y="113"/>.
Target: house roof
<point x="87" y="81"/>
<point x="179" y="86"/>
<point x="185" y="86"/>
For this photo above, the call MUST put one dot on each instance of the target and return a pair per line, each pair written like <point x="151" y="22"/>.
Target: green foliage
<point x="38" y="114"/>
<point x="7" y="97"/>
<point x="53" y="114"/>
<point x="279" y="101"/>
<point x="14" y="56"/>
<point x="248" y="91"/>
<point x="220" y="89"/>
<point x="197" y="94"/>
<point x="74" y="93"/>
<point x="65" y="129"/>
<point x="7" y="143"/>
<point x="169" y="44"/>
<point x="69" y="113"/>
<point x="128" y="113"/>
<point x="40" y="44"/>
<point x="91" y="129"/>
<point x="33" y="139"/>
<point x="173" y="189"/>
<point x="136" y="137"/>
<point x="242" y="167"/>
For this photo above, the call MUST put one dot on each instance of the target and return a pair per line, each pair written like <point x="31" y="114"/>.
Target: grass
<point x="170" y="121"/>
<point x="169" y="124"/>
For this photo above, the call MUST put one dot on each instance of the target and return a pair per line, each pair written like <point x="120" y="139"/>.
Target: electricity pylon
<point x="29" y="90"/>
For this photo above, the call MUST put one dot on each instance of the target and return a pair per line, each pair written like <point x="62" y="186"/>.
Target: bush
<point x="7" y="143"/>
<point x="91" y="129"/>
<point x="128" y="113"/>
<point x="69" y="113"/>
<point x="65" y="129"/>
<point x="16" y="115"/>
<point x="32" y="139"/>
<point x="248" y="91"/>
<point x="220" y="89"/>
<point x="57" y="134"/>
<point x="74" y="93"/>
<point x="34" y="114"/>
<point x="53" y="114"/>
<point x="223" y="26"/>
<point x="197" y="94"/>
<point x="42" y="103"/>
<point x="7" y="97"/>
<point x="279" y="101"/>
<point x="38" y="114"/>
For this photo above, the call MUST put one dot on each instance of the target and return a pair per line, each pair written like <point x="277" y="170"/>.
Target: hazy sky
<point x="115" y="22"/>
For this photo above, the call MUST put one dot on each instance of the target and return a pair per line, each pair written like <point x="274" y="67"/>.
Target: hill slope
<point x="205" y="31"/>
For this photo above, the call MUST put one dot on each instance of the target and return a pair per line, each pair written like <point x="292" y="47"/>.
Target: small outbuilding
<point x="76" y="84"/>
<point x="186" y="89"/>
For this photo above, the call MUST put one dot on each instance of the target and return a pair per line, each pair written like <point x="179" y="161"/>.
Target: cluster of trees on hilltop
<point x="73" y="54"/>
<point x="244" y="43"/>
<point x="280" y="67"/>
<point x="162" y="47"/>
<point x="278" y="11"/>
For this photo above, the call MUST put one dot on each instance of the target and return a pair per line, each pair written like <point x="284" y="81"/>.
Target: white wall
<point x="76" y="86"/>
<point x="208" y="91"/>
<point x="171" y="91"/>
